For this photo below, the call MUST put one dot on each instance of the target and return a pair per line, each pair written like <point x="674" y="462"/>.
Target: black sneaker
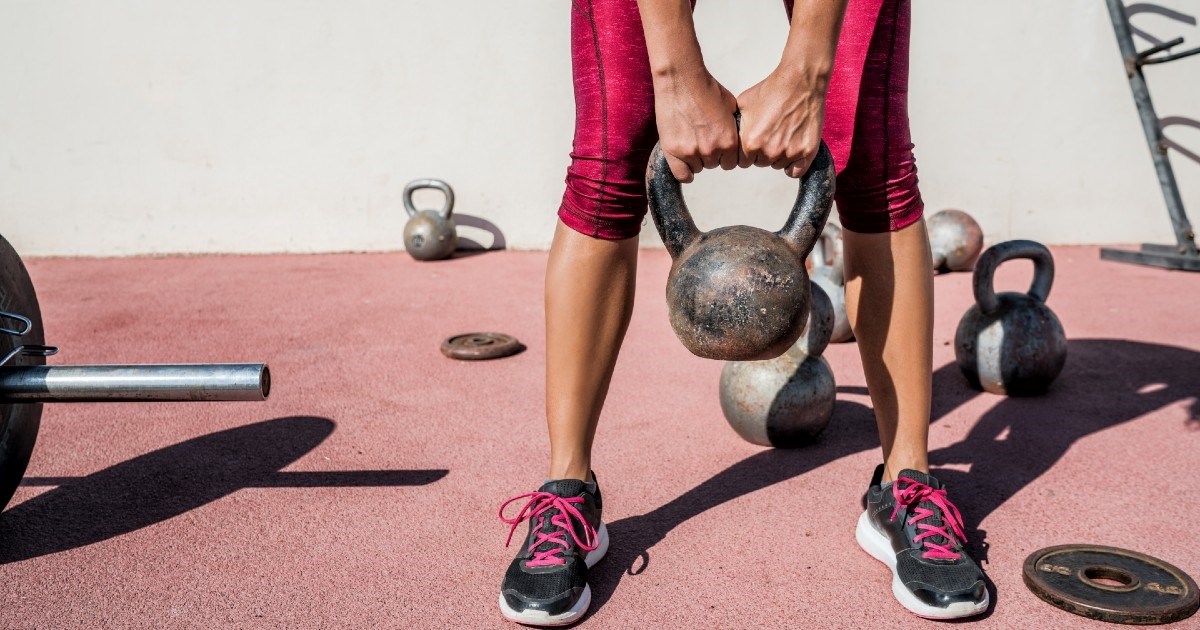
<point x="546" y="584"/>
<point x="912" y="527"/>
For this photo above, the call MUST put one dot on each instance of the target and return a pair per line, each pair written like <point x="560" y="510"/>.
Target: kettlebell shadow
<point x="171" y="481"/>
<point x="478" y="226"/>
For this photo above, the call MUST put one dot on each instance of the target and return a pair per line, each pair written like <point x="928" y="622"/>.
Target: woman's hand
<point x="695" y="123"/>
<point x="781" y="120"/>
<point x="783" y="114"/>
<point x="694" y="113"/>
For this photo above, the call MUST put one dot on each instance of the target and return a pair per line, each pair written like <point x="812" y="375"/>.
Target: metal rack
<point x="1182" y="255"/>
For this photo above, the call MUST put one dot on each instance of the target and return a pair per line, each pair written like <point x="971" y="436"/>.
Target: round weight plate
<point x="1111" y="584"/>
<point x="479" y="346"/>
<point x="18" y="422"/>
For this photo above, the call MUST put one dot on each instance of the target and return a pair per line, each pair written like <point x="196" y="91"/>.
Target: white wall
<point x="153" y="126"/>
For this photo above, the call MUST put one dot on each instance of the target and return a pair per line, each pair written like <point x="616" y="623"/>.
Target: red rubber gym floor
<point x="364" y="493"/>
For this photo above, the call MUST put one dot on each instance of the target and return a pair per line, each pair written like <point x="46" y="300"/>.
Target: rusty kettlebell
<point x="786" y="401"/>
<point x="429" y="234"/>
<point x="955" y="240"/>
<point x="1011" y="343"/>
<point x="739" y="293"/>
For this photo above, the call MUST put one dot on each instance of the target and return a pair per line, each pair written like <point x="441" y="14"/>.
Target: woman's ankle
<point x="582" y="472"/>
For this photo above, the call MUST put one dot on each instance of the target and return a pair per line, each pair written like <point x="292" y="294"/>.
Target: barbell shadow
<point x="171" y="481"/>
<point x="1106" y="382"/>
<point x="287" y="479"/>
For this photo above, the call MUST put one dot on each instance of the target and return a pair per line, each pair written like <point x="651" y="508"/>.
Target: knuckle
<point x="679" y="149"/>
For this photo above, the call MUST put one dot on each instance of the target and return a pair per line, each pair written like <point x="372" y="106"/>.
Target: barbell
<point x="26" y="382"/>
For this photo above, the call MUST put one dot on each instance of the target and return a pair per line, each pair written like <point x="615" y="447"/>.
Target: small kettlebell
<point x="739" y="293"/>
<point x="429" y="234"/>
<point x="955" y="240"/>
<point x="826" y="271"/>
<point x="1011" y="343"/>
<point x="786" y="401"/>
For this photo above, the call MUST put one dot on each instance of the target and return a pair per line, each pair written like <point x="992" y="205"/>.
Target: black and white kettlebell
<point x="1011" y="343"/>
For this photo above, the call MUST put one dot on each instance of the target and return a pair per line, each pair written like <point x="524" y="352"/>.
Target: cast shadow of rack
<point x="1106" y="382"/>
<point x="1148" y="7"/>
<point x="171" y="481"/>
<point x="1170" y="121"/>
<point x="1178" y="16"/>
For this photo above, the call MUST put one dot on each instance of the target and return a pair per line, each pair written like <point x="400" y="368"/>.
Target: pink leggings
<point x="866" y="120"/>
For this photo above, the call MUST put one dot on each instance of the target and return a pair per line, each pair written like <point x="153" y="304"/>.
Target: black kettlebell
<point x="1011" y="343"/>
<point x="429" y="234"/>
<point x="739" y="293"/>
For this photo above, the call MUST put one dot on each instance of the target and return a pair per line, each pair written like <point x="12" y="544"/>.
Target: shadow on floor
<point x="630" y="539"/>
<point x="470" y="247"/>
<point x="166" y="483"/>
<point x="1105" y="382"/>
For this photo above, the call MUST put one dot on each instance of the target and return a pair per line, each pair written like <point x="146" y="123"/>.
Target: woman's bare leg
<point x="589" y="299"/>
<point x="889" y="300"/>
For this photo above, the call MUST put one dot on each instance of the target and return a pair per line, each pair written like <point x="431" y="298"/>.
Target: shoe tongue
<point x="920" y="477"/>
<point x="564" y="487"/>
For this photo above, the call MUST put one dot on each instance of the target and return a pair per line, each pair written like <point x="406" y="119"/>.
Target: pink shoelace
<point x="538" y="504"/>
<point x="910" y="493"/>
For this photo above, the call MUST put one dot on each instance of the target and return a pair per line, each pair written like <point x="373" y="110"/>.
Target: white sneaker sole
<point x="541" y="618"/>
<point x="878" y="546"/>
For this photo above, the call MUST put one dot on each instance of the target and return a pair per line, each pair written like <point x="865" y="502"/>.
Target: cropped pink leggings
<point x="866" y="119"/>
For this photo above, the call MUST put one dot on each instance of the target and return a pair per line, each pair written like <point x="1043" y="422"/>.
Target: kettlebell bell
<point x="826" y="271"/>
<point x="739" y="293"/>
<point x="827" y="253"/>
<point x="429" y="234"/>
<point x="1011" y="343"/>
<point x="786" y="401"/>
<point x="955" y="240"/>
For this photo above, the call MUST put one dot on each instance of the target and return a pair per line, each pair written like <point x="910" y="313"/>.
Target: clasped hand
<point x="781" y="120"/>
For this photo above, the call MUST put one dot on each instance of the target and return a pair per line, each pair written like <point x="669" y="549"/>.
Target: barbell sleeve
<point x="135" y="383"/>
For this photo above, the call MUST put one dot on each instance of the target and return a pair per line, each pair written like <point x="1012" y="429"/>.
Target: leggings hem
<point x="595" y="227"/>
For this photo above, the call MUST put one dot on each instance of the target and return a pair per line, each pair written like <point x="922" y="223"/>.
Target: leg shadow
<point x="1106" y="382"/>
<point x="166" y="483"/>
<point x="851" y="431"/>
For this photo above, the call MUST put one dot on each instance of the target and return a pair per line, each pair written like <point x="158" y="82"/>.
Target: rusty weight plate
<point x="18" y="422"/>
<point x="1111" y="584"/>
<point x="480" y="346"/>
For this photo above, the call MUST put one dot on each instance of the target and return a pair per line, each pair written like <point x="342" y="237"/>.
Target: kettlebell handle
<point x="418" y="184"/>
<point x="985" y="271"/>
<point x="803" y="226"/>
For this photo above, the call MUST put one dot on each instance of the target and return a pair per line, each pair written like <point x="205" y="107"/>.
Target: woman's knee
<point x="606" y="199"/>
<point x="868" y="203"/>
